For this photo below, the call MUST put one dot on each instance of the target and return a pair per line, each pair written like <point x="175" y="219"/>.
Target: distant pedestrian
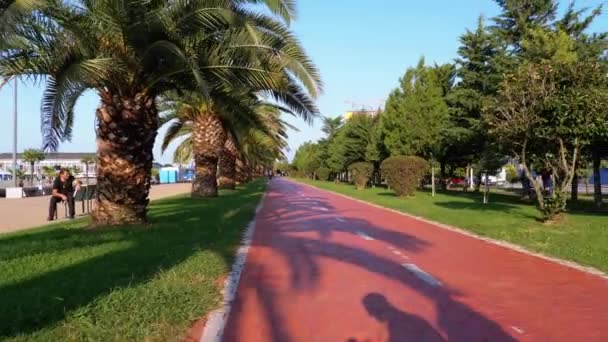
<point x="547" y="179"/>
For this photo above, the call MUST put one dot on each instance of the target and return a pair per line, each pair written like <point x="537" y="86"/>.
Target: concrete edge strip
<point x="500" y="243"/>
<point x="216" y="320"/>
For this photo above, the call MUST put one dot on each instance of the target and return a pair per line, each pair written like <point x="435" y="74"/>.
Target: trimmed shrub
<point x="361" y="172"/>
<point x="404" y="173"/>
<point x="297" y="174"/>
<point x="323" y="173"/>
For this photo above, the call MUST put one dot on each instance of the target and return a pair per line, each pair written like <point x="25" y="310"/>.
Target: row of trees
<point x="531" y="86"/>
<point x="31" y="156"/>
<point x="206" y="68"/>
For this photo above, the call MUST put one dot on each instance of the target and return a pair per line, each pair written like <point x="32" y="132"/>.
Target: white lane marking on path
<point x="340" y="219"/>
<point x="322" y="208"/>
<point x="216" y="321"/>
<point x="365" y="236"/>
<point x="518" y="330"/>
<point x="422" y="275"/>
<point x="396" y="252"/>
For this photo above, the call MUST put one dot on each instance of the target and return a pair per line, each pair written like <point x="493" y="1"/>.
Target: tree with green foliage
<point x="20" y="174"/>
<point x="307" y="160"/>
<point x="132" y="52"/>
<point x="32" y="156"/>
<point x="49" y="172"/>
<point x="375" y="151"/>
<point x="74" y="170"/>
<point x="323" y="173"/>
<point x="404" y="173"/>
<point x="519" y="16"/>
<point x="87" y="161"/>
<point x="361" y="173"/>
<point x="416" y="113"/>
<point x="490" y="162"/>
<point x="331" y="126"/>
<point x="548" y="112"/>
<point x="479" y="73"/>
<point x="351" y="141"/>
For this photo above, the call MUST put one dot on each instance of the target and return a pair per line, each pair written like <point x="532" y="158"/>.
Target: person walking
<point x="63" y="191"/>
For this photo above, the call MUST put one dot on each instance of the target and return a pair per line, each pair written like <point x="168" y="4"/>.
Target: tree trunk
<point x="442" y="183"/>
<point x="574" y="188"/>
<point x="227" y="169"/>
<point x="535" y="183"/>
<point x="486" y="189"/>
<point x="478" y="176"/>
<point x="597" y="182"/>
<point x="126" y="129"/>
<point x="433" y="180"/>
<point x="208" y="138"/>
<point x="32" y="175"/>
<point x="241" y="171"/>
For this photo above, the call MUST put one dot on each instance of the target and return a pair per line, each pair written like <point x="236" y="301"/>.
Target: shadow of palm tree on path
<point x="287" y="215"/>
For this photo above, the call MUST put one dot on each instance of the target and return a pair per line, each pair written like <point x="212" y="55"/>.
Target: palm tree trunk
<point x="227" y="169"/>
<point x="241" y="171"/>
<point x="126" y="129"/>
<point x="32" y="175"/>
<point x="208" y="137"/>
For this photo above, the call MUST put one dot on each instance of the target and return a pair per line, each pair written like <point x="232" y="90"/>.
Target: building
<point x="56" y="160"/>
<point x="371" y="113"/>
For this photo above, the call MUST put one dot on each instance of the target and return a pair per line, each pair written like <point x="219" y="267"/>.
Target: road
<point x="24" y="213"/>
<point x="325" y="268"/>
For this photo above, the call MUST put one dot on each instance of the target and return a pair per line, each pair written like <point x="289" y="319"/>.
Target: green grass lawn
<point x="582" y="237"/>
<point x="66" y="283"/>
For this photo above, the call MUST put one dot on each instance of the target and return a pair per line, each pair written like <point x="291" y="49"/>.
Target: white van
<point x="5" y="176"/>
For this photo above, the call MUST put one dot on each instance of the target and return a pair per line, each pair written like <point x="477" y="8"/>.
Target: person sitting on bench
<point x="63" y="191"/>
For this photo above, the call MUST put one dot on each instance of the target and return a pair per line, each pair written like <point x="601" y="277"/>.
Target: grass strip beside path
<point x="64" y="283"/>
<point x="582" y="237"/>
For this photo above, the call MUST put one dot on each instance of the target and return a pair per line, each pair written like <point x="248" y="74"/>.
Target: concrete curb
<point x="216" y="320"/>
<point x="503" y="244"/>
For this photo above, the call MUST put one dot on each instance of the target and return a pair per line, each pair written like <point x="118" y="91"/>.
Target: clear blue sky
<point x="362" y="47"/>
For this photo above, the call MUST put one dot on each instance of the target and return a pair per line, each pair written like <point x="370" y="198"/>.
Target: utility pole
<point x="15" y="135"/>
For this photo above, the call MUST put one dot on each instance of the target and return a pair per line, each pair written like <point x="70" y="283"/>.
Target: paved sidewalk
<point x="24" y="213"/>
<point x="325" y="268"/>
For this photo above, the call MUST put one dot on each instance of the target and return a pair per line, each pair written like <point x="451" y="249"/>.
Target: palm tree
<point x="210" y="134"/>
<point x="32" y="156"/>
<point x="49" y="172"/>
<point x="259" y="144"/>
<point x="20" y="175"/>
<point x="262" y="146"/>
<point x="226" y="172"/>
<point x="74" y="170"/>
<point x="331" y="126"/>
<point x="87" y="160"/>
<point x="130" y="52"/>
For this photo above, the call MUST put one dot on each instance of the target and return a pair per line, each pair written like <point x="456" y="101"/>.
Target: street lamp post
<point x="15" y="135"/>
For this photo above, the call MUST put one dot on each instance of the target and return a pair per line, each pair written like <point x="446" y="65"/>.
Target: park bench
<point x="80" y="196"/>
<point x="90" y="195"/>
<point x="85" y="196"/>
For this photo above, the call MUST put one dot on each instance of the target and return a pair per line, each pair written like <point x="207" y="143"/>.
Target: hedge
<point x="404" y="173"/>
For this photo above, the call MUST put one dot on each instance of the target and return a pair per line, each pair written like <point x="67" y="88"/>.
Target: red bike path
<point x="322" y="267"/>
